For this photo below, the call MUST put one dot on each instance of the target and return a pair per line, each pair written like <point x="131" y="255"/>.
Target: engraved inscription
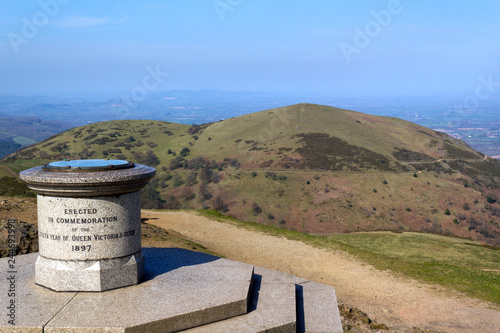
<point x="85" y="238"/>
<point x="82" y="248"/>
<point x="49" y="236"/>
<point x="80" y="211"/>
<point x="81" y="220"/>
<point x="81" y="238"/>
<point x="93" y="228"/>
<point x="89" y="220"/>
<point x="115" y="235"/>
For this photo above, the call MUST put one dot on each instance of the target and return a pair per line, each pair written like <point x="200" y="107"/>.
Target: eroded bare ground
<point x="398" y="302"/>
<point x="20" y="209"/>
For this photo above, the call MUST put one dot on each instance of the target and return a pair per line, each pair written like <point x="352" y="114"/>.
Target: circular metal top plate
<point x="87" y="165"/>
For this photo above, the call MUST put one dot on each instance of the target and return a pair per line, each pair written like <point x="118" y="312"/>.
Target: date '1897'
<point x="81" y="248"/>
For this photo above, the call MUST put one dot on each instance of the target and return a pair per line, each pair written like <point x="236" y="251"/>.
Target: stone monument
<point x="89" y="223"/>
<point x="90" y="240"/>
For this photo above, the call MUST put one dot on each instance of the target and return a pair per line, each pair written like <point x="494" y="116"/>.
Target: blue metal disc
<point x="88" y="165"/>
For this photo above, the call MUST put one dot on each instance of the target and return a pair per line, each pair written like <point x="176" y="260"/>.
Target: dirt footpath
<point x="397" y="302"/>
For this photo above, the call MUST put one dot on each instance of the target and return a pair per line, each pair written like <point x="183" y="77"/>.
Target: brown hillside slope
<point x="305" y="167"/>
<point x="388" y="299"/>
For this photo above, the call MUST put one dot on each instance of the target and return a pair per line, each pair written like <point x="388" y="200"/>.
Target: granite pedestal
<point x="89" y="223"/>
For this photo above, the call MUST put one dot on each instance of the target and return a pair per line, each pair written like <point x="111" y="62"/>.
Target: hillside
<point x="16" y="132"/>
<point x="304" y="167"/>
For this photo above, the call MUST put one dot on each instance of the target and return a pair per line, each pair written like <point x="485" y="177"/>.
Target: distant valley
<point x="18" y="132"/>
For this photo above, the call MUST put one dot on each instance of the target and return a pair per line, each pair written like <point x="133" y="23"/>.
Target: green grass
<point x="13" y="187"/>
<point x="20" y="165"/>
<point x="22" y="140"/>
<point x="4" y="173"/>
<point x="454" y="263"/>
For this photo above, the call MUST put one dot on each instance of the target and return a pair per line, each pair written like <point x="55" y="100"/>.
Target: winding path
<point x="396" y="301"/>
<point x="14" y="174"/>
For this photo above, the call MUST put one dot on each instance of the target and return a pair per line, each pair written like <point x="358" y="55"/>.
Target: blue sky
<point x="373" y="47"/>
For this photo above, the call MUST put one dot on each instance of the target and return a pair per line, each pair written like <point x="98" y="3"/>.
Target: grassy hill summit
<point x="305" y="167"/>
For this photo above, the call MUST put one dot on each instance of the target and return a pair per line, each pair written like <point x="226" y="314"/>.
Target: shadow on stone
<point x="254" y="292"/>
<point x="299" y="298"/>
<point x="162" y="260"/>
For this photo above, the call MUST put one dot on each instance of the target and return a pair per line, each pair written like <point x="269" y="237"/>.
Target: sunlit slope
<point x="110" y="139"/>
<point x="265" y="134"/>
<point x="305" y="167"/>
<point x="278" y="128"/>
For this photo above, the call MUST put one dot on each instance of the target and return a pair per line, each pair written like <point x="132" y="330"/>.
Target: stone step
<point x="272" y="307"/>
<point x="317" y="308"/>
<point x="283" y="303"/>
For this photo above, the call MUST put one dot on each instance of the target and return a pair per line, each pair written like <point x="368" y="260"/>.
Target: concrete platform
<point x="181" y="290"/>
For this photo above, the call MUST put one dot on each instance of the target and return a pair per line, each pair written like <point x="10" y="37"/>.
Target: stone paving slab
<point x="34" y="305"/>
<point x="272" y="307"/>
<point x="182" y="289"/>
<point x="317" y="308"/>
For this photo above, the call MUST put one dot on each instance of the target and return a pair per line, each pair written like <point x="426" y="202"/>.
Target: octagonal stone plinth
<point x="89" y="275"/>
<point x="89" y="223"/>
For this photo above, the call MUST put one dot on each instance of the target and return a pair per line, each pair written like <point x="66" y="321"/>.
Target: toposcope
<point x="89" y="223"/>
